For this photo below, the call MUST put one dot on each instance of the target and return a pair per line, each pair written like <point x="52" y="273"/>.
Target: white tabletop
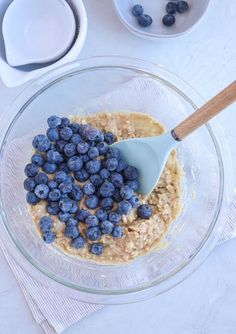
<point x="205" y="303"/>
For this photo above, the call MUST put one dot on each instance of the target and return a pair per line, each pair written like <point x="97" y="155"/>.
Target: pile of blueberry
<point x="172" y="8"/>
<point x="82" y="166"/>
<point x="144" y="20"/>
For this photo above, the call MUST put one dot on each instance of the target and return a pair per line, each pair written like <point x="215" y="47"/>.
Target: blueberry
<point x="133" y="185"/>
<point x="41" y="178"/>
<point x="53" y="208"/>
<point x="54" y="121"/>
<point x="74" y="164"/>
<point x="144" y="211"/>
<point x="117" y="196"/>
<point x="126" y="192"/>
<point x="117" y="179"/>
<point x="41" y="143"/>
<point x="66" y="133"/>
<point x="65" y="121"/>
<point x="97" y="249"/>
<point x="71" y="231"/>
<point x="93" y="233"/>
<point x="109" y="138"/>
<point x="54" y="157"/>
<point x="168" y="20"/>
<point x="64" y="216"/>
<point x="118" y="232"/>
<point x="76" y="192"/>
<point x="37" y="160"/>
<point x="100" y="137"/>
<point x="82" y="175"/>
<point x="93" y="152"/>
<point x="72" y="221"/>
<point x="83" y="129"/>
<point x="31" y="198"/>
<point x="102" y="147"/>
<point x="131" y="173"/>
<point x="65" y="187"/>
<point x="91" y="202"/>
<point x="111" y="164"/>
<point x="53" y="134"/>
<point x="101" y="214"/>
<point x="89" y="188"/>
<point x="93" y="166"/>
<point x="137" y="10"/>
<point x="65" y="205"/>
<point x="49" y="168"/>
<point x="82" y="147"/>
<point x="107" y="203"/>
<point x="121" y="165"/>
<point x="49" y="237"/>
<point x="124" y="207"/>
<point x="92" y="134"/>
<point x="54" y="195"/>
<point x="76" y="139"/>
<point x="60" y="176"/>
<point x="41" y="191"/>
<point x="70" y="150"/>
<point x="63" y="167"/>
<point x="60" y="144"/>
<point x="52" y="184"/>
<point x="144" y="20"/>
<point x="134" y="201"/>
<point x="114" y="217"/>
<point x="104" y="173"/>
<point x="107" y="189"/>
<point x="31" y="170"/>
<point x="96" y="180"/>
<point x="78" y="242"/>
<point x="81" y="215"/>
<point x="182" y="6"/>
<point x="106" y="227"/>
<point x="113" y="153"/>
<point x="84" y="158"/>
<point x="75" y="127"/>
<point x="45" y="224"/>
<point x="74" y="207"/>
<point x="92" y="220"/>
<point x="29" y="184"/>
<point x="171" y="7"/>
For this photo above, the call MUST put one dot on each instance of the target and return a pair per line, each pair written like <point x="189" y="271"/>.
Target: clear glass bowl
<point x="76" y="88"/>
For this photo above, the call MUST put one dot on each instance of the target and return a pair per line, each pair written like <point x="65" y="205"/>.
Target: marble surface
<point x="205" y="303"/>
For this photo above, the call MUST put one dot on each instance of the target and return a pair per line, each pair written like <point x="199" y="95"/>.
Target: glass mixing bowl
<point x="89" y="86"/>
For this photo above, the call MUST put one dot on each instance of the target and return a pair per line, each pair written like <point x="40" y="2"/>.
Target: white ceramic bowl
<point x="156" y="9"/>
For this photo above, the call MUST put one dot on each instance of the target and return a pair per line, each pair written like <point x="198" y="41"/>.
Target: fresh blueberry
<point x="113" y="153"/>
<point x="41" y="191"/>
<point x="97" y="249"/>
<point x="41" y="143"/>
<point x="54" y="121"/>
<point x="121" y="165"/>
<point x="171" y="7"/>
<point x="52" y="184"/>
<point x="104" y="173"/>
<point x="118" y="232"/>
<point x="134" y="201"/>
<point x="64" y="216"/>
<point x="91" y="202"/>
<point x="63" y="167"/>
<point x="126" y="192"/>
<point x="76" y="139"/>
<point x="84" y="158"/>
<point x="74" y="207"/>
<point x="91" y="221"/>
<point x="144" y="20"/>
<point x="53" y="208"/>
<point x="182" y="6"/>
<point x="75" y="127"/>
<point x="74" y="163"/>
<point x="54" y="157"/>
<point x="82" y="147"/>
<point x="133" y="185"/>
<point x="111" y="164"/>
<point x="65" y="205"/>
<point x="96" y="180"/>
<point x="83" y="129"/>
<point x="100" y="137"/>
<point x="37" y="160"/>
<point x="54" y="195"/>
<point x="78" y="242"/>
<point x="49" y="237"/>
<point x="82" y="175"/>
<point x="29" y="184"/>
<point x="168" y="20"/>
<point x="89" y="188"/>
<point x="117" y="179"/>
<point x="106" y="227"/>
<point x="81" y="215"/>
<point x="72" y="221"/>
<point x="45" y="223"/>
<point x="137" y="10"/>
<point x="53" y="134"/>
<point x="107" y="189"/>
<point x="109" y="138"/>
<point x="41" y="178"/>
<point x="70" y="150"/>
<point x="93" y="166"/>
<point x="71" y="231"/>
<point x="31" y="170"/>
<point x="66" y="133"/>
<point x="101" y="214"/>
<point x="144" y="211"/>
<point x="60" y="144"/>
<point x="31" y="198"/>
<point x="65" y="121"/>
<point x="93" y="152"/>
<point x="114" y="217"/>
<point x="93" y="233"/>
<point x="102" y="147"/>
<point x="65" y="187"/>
<point x="131" y="173"/>
<point x="107" y="203"/>
<point x="117" y="196"/>
<point x="92" y="134"/>
<point x="124" y="207"/>
<point x="60" y="176"/>
<point x="76" y="192"/>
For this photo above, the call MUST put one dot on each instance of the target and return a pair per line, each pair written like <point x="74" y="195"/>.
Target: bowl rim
<point x="207" y="244"/>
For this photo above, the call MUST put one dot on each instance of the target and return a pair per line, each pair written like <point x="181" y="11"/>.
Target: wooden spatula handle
<point x="206" y="112"/>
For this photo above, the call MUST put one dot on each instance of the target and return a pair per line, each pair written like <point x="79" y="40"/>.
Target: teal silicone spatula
<point x="149" y="154"/>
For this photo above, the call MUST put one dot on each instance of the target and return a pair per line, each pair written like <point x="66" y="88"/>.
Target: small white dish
<point x="38" y="31"/>
<point x="156" y="9"/>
